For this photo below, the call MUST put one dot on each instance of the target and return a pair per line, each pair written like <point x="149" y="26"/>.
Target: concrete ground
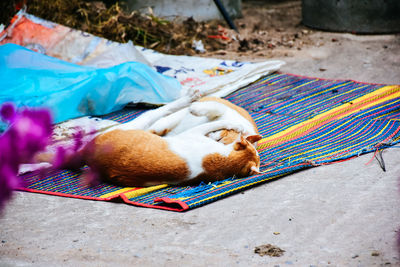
<point x="345" y="214"/>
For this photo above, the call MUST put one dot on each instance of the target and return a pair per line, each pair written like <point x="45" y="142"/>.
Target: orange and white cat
<point x="141" y="158"/>
<point x="181" y="142"/>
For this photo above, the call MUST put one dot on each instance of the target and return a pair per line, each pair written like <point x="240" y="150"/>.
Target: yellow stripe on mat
<point x="142" y="191"/>
<point x="374" y="98"/>
<point x="118" y="192"/>
<point x="377" y="97"/>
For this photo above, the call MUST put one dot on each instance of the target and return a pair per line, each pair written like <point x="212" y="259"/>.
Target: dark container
<point x="357" y="16"/>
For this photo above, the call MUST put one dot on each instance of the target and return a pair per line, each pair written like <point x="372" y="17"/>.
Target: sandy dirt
<point x="268" y="29"/>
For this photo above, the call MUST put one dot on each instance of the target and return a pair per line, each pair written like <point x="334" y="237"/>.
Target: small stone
<point x="375" y="253"/>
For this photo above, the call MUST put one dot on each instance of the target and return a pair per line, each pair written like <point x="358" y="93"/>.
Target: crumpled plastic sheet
<point x="31" y="79"/>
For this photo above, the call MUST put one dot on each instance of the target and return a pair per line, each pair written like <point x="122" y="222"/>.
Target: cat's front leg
<point x="144" y="121"/>
<point x="178" y="104"/>
<point x="166" y="124"/>
<point x="212" y="110"/>
<point x="209" y="127"/>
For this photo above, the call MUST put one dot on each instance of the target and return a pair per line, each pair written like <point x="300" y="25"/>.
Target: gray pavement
<point x="345" y="214"/>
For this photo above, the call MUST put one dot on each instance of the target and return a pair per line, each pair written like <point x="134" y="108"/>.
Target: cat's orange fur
<point x="135" y="158"/>
<point x="140" y="158"/>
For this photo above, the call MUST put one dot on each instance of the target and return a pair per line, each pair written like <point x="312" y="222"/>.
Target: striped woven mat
<point x="305" y="122"/>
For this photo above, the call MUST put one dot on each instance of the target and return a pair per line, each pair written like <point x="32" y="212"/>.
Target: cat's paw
<point x="185" y="100"/>
<point x="160" y="132"/>
<point x="198" y="109"/>
<point x="208" y="108"/>
<point x="236" y="127"/>
<point x="160" y="127"/>
<point x="194" y="94"/>
<point x="230" y="125"/>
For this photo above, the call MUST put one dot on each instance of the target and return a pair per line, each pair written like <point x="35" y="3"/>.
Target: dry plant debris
<point x="115" y="23"/>
<point x="270" y="250"/>
<point x="268" y="28"/>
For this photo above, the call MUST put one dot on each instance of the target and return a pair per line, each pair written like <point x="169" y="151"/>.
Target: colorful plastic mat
<point x="305" y="122"/>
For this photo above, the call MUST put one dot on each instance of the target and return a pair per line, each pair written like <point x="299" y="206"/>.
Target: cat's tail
<point x="61" y="158"/>
<point x="67" y="159"/>
<point x="71" y="155"/>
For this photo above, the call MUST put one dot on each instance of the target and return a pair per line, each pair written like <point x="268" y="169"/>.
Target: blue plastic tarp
<point x="31" y="79"/>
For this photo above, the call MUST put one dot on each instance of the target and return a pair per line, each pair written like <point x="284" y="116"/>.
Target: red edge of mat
<point x="183" y="206"/>
<point x="63" y="194"/>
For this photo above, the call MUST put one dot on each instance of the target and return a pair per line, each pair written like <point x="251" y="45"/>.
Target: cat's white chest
<point x="194" y="148"/>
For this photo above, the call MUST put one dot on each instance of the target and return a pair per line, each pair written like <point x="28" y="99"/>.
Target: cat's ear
<point x="241" y="144"/>
<point x="254" y="138"/>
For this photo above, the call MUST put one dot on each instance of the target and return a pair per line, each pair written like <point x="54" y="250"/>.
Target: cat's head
<point x="230" y="136"/>
<point x="246" y="155"/>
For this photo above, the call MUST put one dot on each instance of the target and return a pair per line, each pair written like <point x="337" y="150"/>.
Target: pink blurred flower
<point x="29" y="132"/>
<point x="69" y="156"/>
